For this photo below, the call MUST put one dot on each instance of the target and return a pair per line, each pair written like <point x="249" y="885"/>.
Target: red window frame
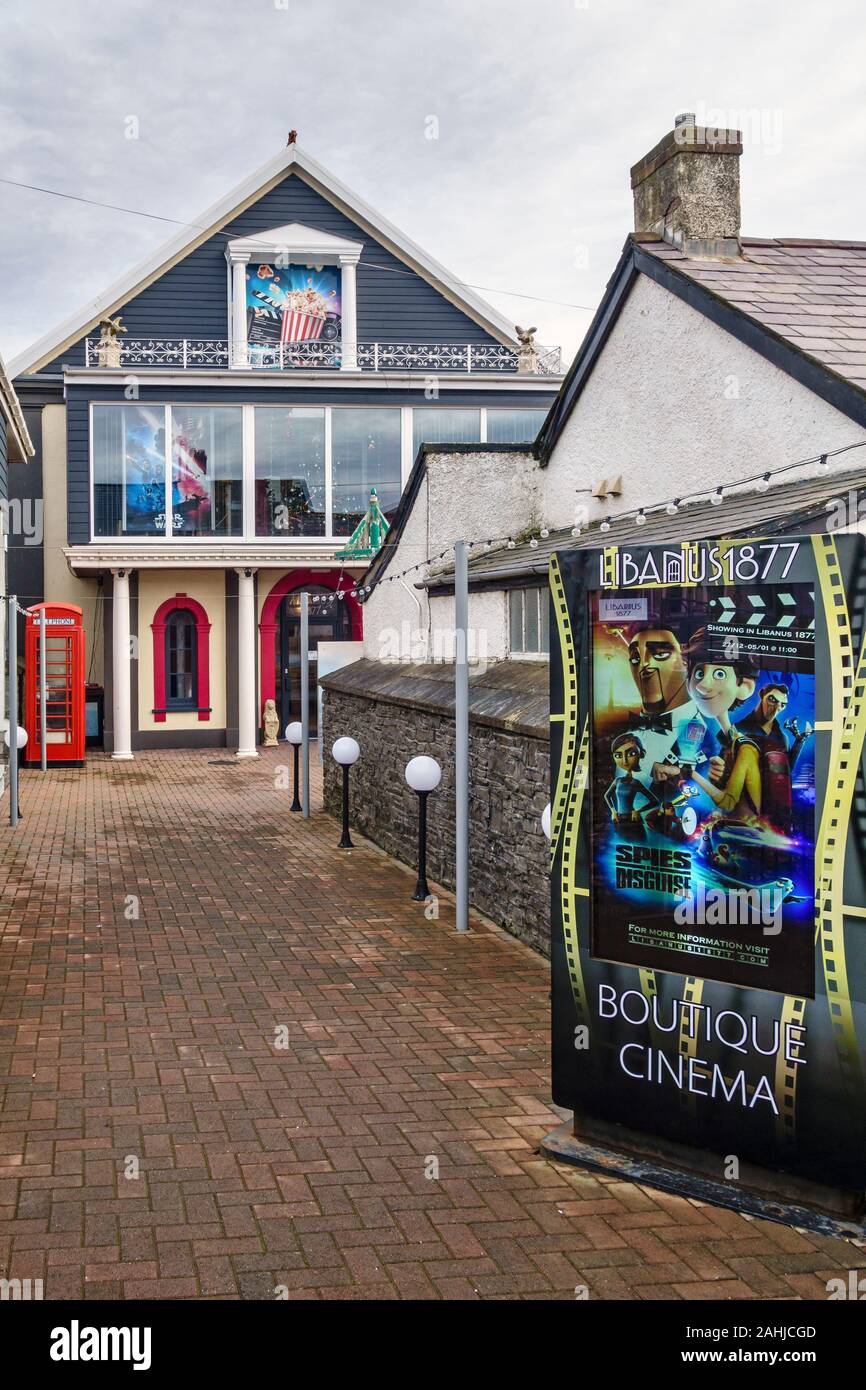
<point x="202" y="629"/>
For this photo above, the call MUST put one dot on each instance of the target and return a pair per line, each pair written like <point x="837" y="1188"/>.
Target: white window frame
<point x="541" y="590"/>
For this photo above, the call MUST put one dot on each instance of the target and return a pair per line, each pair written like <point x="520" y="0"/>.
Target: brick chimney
<point x="687" y="190"/>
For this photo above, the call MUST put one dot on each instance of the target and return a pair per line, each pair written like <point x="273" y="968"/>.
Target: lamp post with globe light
<point x="345" y="752"/>
<point x="423" y="775"/>
<point x="20" y="743"/>
<point x="294" y="736"/>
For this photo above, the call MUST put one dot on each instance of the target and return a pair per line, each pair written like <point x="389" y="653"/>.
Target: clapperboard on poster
<point x="265" y="320"/>
<point x="767" y="622"/>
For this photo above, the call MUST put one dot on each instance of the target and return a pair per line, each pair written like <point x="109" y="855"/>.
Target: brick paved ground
<point x="154" y="1040"/>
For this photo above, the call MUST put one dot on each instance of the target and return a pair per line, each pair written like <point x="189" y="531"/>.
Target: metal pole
<point x="305" y="704"/>
<point x="43" y="694"/>
<point x="345" y="838"/>
<point x="12" y="639"/>
<point x="296" y="805"/>
<point x="461" y="733"/>
<point x="422" y="889"/>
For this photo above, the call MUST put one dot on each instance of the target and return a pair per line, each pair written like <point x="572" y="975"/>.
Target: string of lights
<point x="716" y="495"/>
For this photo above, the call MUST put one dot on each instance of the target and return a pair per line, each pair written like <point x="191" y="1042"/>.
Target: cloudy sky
<point x="539" y="107"/>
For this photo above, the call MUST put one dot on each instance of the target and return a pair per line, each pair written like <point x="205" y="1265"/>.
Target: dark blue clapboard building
<point x="211" y="430"/>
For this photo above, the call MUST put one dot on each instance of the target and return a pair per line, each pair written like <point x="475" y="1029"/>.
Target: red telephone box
<point x="64" y="679"/>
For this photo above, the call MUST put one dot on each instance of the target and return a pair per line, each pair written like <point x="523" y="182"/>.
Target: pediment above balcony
<point x="297" y="244"/>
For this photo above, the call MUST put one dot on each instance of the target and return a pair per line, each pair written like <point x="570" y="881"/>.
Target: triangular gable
<point x="234" y="215"/>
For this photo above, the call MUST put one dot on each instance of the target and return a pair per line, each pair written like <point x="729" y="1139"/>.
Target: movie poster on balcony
<point x="290" y="306"/>
<point x="702" y="774"/>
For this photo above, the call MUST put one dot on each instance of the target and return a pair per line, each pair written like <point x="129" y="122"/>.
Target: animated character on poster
<point x="714" y="792"/>
<point x="626" y="792"/>
<point x="669" y="721"/>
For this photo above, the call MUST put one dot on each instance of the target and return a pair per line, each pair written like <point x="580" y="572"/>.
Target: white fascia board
<point x="325" y="381"/>
<point x="133" y="555"/>
<point x="10" y="405"/>
<point x="289" y="160"/>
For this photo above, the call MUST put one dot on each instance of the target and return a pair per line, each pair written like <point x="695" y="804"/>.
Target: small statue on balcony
<point x="527" y="356"/>
<point x="108" y="347"/>
<point x="270" y="724"/>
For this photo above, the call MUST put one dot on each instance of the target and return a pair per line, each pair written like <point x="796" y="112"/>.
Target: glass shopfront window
<point x="514" y="426"/>
<point x="207" y="471"/>
<point x="365" y="449"/>
<point x="290" y="495"/>
<point x="444" y="426"/>
<point x="128" y="470"/>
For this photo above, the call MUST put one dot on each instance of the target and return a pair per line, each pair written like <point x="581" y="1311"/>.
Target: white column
<point x="349" y="311"/>
<point x="121" y="662"/>
<point x="238" y="347"/>
<point x="247" y="721"/>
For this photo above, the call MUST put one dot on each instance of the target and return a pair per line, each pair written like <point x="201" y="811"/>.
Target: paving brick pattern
<point x="149" y="1044"/>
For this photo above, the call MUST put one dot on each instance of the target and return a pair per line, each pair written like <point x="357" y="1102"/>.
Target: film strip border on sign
<point x="846" y="744"/>
<point x="646" y="975"/>
<point x="571" y="782"/>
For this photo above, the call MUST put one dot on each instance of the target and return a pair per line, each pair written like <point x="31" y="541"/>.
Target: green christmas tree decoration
<point x="367" y="537"/>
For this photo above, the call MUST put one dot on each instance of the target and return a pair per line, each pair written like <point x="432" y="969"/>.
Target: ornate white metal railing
<point x="186" y="353"/>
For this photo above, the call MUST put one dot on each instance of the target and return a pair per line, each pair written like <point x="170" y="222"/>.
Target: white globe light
<point x="346" y="751"/>
<point x="423" y="774"/>
<point x="21" y="740"/>
<point x="545" y="820"/>
<point x="295" y="732"/>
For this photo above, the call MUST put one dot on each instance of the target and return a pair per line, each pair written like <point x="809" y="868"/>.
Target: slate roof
<point x="812" y="293"/>
<point x="799" y="303"/>
<point x="788" y="508"/>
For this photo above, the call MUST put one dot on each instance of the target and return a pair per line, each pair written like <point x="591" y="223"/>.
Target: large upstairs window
<point x="513" y="426"/>
<point x="139" y="490"/>
<point x="207" y="471"/>
<point x="366" y="455"/>
<point x="129" y="470"/>
<point x="290" y="497"/>
<point x="196" y="473"/>
<point x="442" y="425"/>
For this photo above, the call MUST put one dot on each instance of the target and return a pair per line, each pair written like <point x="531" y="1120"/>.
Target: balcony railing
<point x="188" y="353"/>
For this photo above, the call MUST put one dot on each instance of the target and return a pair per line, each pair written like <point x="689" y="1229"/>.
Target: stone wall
<point x="397" y="714"/>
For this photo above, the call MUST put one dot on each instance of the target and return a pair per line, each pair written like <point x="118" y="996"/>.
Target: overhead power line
<point x="368" y="265"/>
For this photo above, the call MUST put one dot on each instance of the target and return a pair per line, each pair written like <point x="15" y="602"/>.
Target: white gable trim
<point x="295" y="242"/>
<point x="292" y="160"/>
<point x="18" y="441"/>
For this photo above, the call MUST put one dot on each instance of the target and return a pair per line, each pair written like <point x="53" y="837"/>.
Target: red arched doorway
<point x="280" y="636"/>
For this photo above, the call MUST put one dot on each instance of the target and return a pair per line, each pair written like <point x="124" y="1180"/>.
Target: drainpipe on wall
<point x="414" y="596"/>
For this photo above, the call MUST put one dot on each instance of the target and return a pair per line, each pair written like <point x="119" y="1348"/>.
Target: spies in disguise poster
<point x="703" y="781"/>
